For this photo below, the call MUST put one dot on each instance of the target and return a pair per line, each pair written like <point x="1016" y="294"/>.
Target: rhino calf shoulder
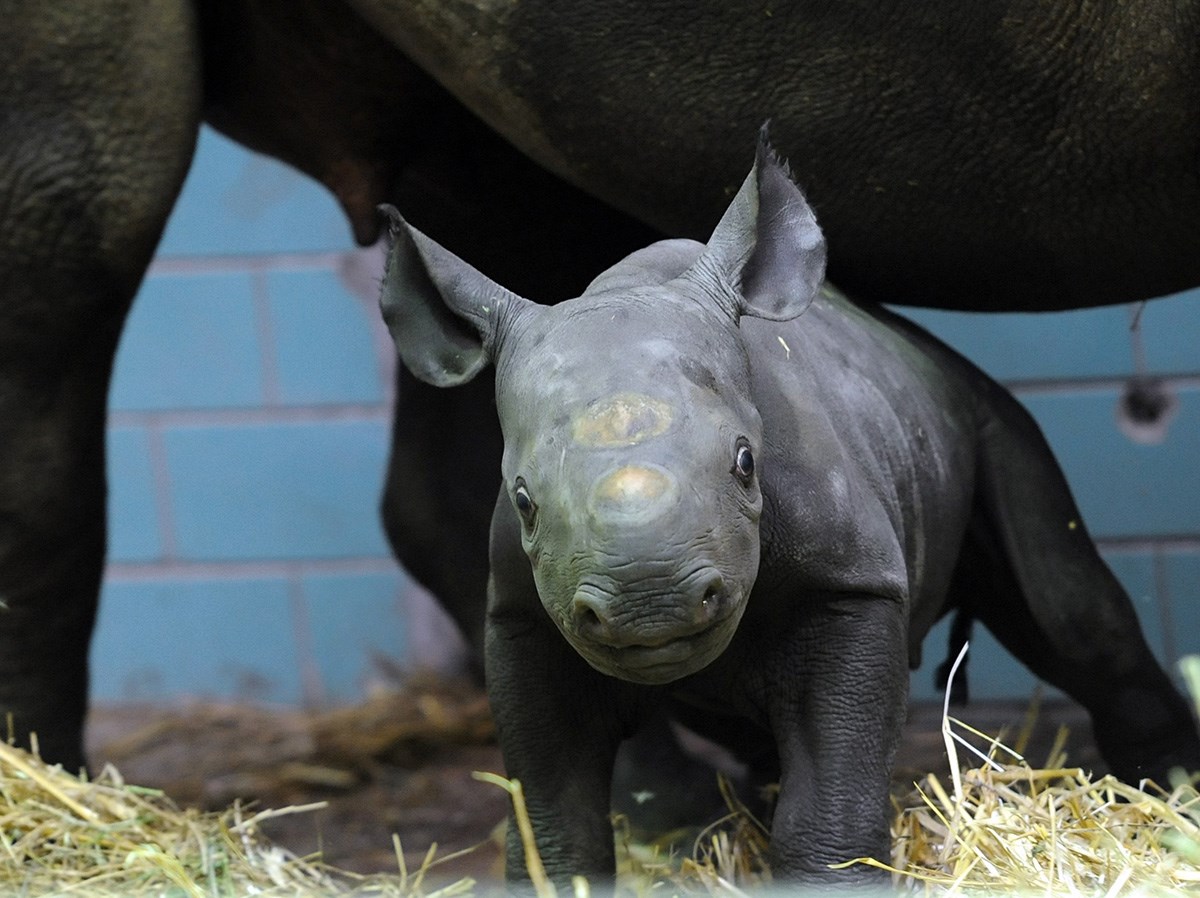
<point x="726" y="485"/>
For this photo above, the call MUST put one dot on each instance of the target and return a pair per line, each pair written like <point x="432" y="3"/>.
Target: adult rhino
<point x="997" y="155"/>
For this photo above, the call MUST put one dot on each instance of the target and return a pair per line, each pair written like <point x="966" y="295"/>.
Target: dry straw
<point x="61" y="834"/>
<point x="67" y="835"/>
<point x="1008" y="827"/>
<point x="1001" y="827"/>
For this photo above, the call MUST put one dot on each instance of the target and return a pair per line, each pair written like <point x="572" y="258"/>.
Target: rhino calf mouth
<point x="660" y="664"/>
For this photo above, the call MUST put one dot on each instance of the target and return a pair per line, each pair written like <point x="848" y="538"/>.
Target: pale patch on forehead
<point x="625" y="419"/>
<point x="633" y="494"/>
<point x="632" y="484"/>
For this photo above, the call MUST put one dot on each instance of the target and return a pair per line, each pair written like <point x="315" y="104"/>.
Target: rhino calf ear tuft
<point x="391" y="215"/>
<point x="784" y="270"/>
<point x="767" y="253"/>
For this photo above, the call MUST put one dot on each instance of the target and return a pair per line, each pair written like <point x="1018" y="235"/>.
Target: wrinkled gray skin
<point x="998" y="154"/>
<point x="729" y="488"/>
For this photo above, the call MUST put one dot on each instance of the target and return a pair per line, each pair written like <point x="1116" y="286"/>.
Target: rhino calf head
<point x="630" y="434"/>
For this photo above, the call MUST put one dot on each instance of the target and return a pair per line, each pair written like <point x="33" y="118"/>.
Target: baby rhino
<point x="730" y="490"/>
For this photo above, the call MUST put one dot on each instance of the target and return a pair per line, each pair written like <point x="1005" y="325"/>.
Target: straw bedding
<point x="61" y="834"/>
<point x="995" y="824"/>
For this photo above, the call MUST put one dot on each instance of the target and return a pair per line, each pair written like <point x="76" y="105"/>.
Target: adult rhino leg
<point x="1036" y="580"/>
<point x="99" y="104"/>
<point x="437" y="505"/>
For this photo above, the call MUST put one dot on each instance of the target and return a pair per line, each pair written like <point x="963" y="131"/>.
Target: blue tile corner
<point x="191" y="341"/>
<point x="359" y="629"/>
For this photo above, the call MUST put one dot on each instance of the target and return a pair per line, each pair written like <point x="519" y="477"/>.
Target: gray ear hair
<point x="443" y="314"/>
<point x="768" y="248"/>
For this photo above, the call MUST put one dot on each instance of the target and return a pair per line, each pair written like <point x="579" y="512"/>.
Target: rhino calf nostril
<point x="712" y="598"/>
<point x="587" y="616"/>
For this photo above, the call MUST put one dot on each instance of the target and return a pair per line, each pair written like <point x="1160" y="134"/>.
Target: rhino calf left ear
<point x="767" y="249"/>
<point x="443" y="315"/>
<point x="787" y="265"/>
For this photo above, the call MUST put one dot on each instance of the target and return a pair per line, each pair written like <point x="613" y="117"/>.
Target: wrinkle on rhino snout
<point x="658" y="634"/>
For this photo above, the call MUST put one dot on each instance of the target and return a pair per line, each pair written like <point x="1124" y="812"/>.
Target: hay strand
<point x="542" y="886"/>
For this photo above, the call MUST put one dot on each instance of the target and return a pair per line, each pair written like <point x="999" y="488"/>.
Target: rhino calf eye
<point x="743" y="465"/>
<point x="524" y="502"/>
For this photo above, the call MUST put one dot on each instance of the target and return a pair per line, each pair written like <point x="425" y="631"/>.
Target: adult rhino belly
<point x="950" y="163"/>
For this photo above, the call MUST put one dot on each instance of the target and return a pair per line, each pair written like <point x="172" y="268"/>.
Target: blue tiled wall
<point x="250" y="417"/>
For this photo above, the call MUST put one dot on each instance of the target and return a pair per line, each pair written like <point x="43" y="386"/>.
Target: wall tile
<point x="1183" y="583"/>
<point x="236" y="202"/>
<point x="1026" y="346"/>
<point x="1171" y="334"/>
<point x="323" y="340"/>
<point x="278" y="491"/>
<point x="213" y="640"/>
<point x="355" y="620"/>
<point x="190" y="342"/>
<point x="133" y="525"/>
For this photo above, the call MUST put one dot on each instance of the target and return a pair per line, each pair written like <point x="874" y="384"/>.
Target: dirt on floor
<point x="401" y="764"/>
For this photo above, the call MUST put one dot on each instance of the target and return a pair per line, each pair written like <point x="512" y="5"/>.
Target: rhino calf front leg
<point x="559" y="728"/>
<point x="559" y="724"/>
<point x="836" y="689"/>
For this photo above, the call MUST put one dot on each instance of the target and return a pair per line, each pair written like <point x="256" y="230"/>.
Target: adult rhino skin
<point x="981" y="156"/>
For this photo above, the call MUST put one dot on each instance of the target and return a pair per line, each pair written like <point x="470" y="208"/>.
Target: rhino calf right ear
<point x="442" y="313"/>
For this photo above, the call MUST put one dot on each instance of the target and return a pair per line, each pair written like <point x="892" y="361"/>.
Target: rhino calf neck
<point x="727" y="488"/>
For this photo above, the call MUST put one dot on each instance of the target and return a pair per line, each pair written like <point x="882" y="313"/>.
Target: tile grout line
<point x="249" y="569"/>
<point x="164" y="505"/>
<point x="1182" y="543"/>
<point x="313" y="692"/>
<point x="349" y="413"/>
<point x="233" y="263"/>
<point x="264" y="329"/>
<point x="1093" y="385"/>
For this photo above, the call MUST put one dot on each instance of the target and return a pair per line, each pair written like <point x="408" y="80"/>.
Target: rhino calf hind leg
<point x="1036" y="580"/>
